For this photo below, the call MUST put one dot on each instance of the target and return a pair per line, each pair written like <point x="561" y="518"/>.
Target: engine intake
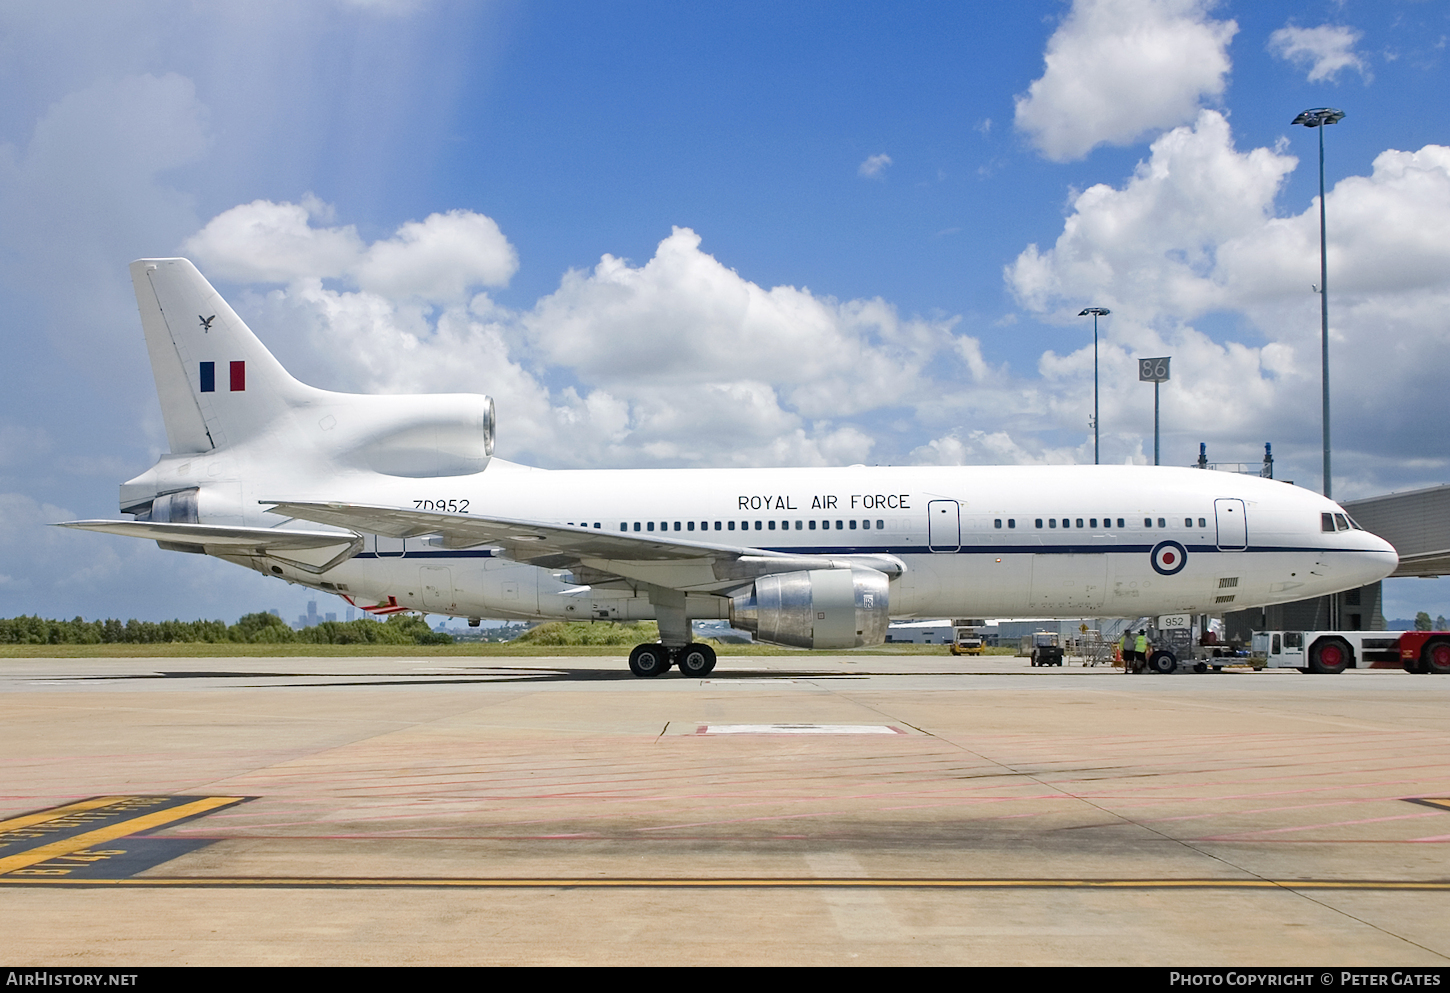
<point x="818" y="608"/>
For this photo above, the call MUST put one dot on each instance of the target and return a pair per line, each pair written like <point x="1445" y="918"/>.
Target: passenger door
<point x="943" y="525"/>
<point x="1233" y="529"/>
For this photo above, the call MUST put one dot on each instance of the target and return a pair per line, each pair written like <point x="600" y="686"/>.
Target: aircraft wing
<point x="310" y="551"/>
<point x="595" y="556"/>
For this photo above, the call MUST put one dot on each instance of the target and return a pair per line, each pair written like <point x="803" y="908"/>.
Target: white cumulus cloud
<point x="1194" y="235"/>
<point x="874" y="167"/>
<point x="1118" y="69"/>
<point x="438" y="259"/>
<point x="1324" y="51"/>
<point x="677" y="361"/>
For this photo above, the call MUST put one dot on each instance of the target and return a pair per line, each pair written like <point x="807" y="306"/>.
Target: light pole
<point x="1321" y="117"/>
<point x="1096" y="312"/>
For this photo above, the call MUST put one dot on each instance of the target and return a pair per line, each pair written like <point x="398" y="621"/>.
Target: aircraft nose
<point x="1379" y="559"/>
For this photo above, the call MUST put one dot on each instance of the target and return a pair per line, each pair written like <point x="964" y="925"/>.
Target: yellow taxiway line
<point x="747" y="882"/>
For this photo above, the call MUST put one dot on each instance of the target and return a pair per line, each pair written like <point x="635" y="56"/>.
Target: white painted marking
<point x="799" y="729"/>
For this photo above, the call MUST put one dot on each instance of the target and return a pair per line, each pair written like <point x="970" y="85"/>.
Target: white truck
<point x="1335" y="651"/>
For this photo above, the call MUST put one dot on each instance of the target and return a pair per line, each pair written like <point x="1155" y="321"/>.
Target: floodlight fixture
<point x="1096" y="312"/>
<point x="1319" y="118"/>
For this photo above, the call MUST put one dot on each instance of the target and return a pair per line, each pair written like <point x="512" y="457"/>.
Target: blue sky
<point x="835" y="233"/>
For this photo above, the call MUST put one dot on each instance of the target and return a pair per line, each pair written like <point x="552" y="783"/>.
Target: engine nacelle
<point x="819" y="608"/>
<point x="420" y="436"/>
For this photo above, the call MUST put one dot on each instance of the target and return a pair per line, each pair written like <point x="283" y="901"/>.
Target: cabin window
<point x="997" y="524"/>
<point x="1188" y="522"/>
<point x="690" y="526"/>
<point x="1162" y="523"/>
<point x="1092" y="522"/>
<point x="758" y="525"/>
<point x="840" y="525"/>
<point x="624" y="526"/>
<point x="1039" y="522"/>
<point x="799" y="525"/>
<point x="813" y="525"/>
<point x="1079" y="522"/>
<point x="1052" y="522"/>
<point x="880" y="525"/>
<point x="717" y="525"/>
<point x="1120" y="522"/>
<point x="772" y="525"/>
<point x="1202" y="523"/>
<point x="649" y="526"/>
<point x="677" y="525"/>
<point x="731" y="526"/>
<point x="1011" y="522"/>
<point x="1147" y="522"/>
<point x="853" y="525"/>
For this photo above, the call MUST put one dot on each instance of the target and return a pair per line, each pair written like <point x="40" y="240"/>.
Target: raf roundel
<point x="1169" y="558"/>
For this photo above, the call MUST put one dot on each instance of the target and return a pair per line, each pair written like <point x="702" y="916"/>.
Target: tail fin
<point x="218" y="384"/>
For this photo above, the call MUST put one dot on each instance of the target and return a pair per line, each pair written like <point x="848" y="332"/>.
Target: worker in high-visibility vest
<point x="1125" y="646"/>
<point x="1140" y="646"/>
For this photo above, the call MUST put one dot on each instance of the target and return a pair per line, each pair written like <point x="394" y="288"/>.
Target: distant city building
<point x="310" y="619"/>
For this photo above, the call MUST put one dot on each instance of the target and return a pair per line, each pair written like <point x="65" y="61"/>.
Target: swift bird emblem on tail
<point x="206" y="322"/>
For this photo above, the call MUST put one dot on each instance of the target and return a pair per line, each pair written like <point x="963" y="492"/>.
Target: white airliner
<point x="397" y="503"/>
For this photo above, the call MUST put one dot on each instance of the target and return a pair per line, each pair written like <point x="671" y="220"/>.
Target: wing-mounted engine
<point x="818" y="608"/>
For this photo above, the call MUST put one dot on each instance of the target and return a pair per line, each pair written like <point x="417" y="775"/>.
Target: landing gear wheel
<point x="695" y="660"/>
<point x="1162" y="662"/>
<point x="649" y="660"/>
<point x="1329" y="655"/>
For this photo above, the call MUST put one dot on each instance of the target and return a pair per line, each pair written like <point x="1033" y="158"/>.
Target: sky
<point x="665" y="234"/>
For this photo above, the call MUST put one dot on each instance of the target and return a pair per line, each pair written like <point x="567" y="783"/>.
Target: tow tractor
<point x="1335" y="651"/>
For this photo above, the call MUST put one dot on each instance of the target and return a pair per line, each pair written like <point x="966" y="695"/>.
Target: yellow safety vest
<point x="1141" y="645"/>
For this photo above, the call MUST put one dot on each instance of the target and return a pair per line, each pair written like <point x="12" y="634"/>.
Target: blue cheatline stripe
<point x="208" y="377"/>
<point x="429" y="554"/>
<point x="913" y="550"/>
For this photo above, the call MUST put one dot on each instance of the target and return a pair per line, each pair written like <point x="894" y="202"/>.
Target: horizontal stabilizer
<point x="311" y="551"/>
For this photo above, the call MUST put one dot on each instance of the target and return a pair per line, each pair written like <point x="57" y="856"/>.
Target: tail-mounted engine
<point x="820" y="608"/>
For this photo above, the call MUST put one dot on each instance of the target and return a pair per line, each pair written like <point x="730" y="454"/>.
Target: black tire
<point x="695" y="660"/>
<point x="1435" y="656"/>
<point x="1200" y="667"/>
<point x="1162" y="662"/>
<point x="1330" y="655"/>
<point x="648" y="661"/>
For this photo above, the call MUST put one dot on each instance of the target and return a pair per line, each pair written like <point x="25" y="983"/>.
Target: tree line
<point x="253" y="629"/>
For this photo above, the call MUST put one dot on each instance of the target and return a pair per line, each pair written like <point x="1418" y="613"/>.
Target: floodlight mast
<point x="1096" y="312"/>
<point x="1319" y="118"/>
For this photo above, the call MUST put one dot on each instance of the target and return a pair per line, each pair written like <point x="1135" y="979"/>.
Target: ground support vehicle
<point x="966" y="640"/>
<point x="1335" y="651"/>
<point x="1046" y="648"/>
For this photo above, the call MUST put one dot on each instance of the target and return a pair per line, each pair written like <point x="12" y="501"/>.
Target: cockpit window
<point x="1326" y="523"/>
<point x="1342" y="521"/>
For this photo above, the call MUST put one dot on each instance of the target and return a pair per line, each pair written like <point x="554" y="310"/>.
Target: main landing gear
<point x="653" y="660"/>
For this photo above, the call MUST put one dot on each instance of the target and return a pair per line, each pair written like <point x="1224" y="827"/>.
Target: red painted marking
<point x="1167" y="558"/>
<point x="239" y="377"/>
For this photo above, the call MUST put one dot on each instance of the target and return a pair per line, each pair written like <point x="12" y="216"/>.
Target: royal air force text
<point x="857" y="501"/>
